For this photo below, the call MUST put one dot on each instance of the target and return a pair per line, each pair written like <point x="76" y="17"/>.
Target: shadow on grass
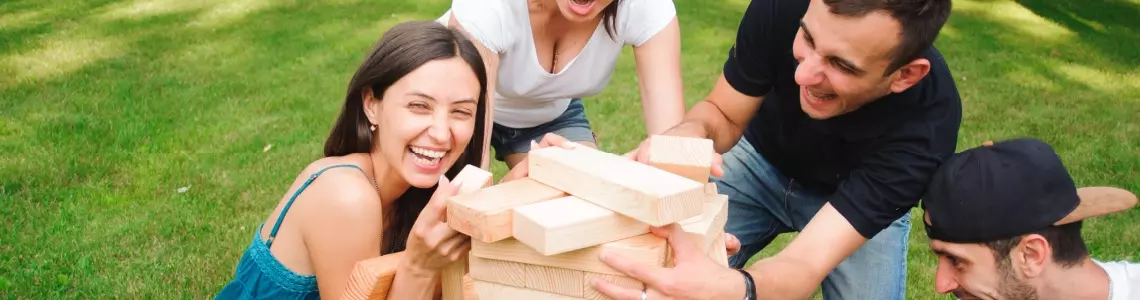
<point x="1111" y="26"/>
<point x="97" y="142"/>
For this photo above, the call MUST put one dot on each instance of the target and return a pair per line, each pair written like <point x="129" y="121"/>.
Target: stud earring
<point x="373" y="127"/>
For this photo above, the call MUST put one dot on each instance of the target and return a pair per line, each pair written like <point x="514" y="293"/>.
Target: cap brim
<point x="1098" y="201"/>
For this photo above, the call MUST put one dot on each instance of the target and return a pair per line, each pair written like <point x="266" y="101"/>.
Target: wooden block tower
<point x="579" y="201"/>
<point x="539" y="237"/>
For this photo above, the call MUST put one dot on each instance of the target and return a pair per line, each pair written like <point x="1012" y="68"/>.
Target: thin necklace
<point x="373" y="180"/>
<point x="391" y="241"/>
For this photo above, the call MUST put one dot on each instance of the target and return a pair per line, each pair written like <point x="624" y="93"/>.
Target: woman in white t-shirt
<point x="543" y="56"/>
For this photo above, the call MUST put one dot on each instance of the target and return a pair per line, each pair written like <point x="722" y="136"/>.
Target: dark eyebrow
<point x="835" y="59"/>
<point x="807" y="33"/>
<point x="948" y="254"/>
<point x="419" y="94"/>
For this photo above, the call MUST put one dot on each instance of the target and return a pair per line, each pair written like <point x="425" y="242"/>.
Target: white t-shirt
<point x="1125" y="278"/>
<point x="526" y="95"/>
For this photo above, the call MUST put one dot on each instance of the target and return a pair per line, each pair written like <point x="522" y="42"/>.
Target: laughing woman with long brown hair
<point x="413" y="116"/>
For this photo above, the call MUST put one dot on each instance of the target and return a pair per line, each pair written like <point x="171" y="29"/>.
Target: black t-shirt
<point x="874" y="162"/>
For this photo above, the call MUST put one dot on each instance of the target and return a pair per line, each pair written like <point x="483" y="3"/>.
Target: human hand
<point x="641" y="154"/>
<point x="731" y="244"/>
<point x="521" y="169"/>
<point x="432" y="244"/>
<point x="693" y="276"/>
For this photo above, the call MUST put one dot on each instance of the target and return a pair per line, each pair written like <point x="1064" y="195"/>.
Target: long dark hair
<point x="404" y="48"/>
<point x="608" y="16"/>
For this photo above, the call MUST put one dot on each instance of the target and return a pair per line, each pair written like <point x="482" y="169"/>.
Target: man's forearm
<point x="783" y="278"/>
<point x="706" y="120"/>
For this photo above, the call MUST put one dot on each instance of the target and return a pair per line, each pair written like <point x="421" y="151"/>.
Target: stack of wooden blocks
<point x="539" y="237"/>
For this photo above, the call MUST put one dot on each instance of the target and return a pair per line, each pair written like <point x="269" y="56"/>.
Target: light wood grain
<point x="590" y="293"/>
<point x="495" y="291"/>
<point x="485" y="214"/>
<point x="639" y="191"/>
<point x="469" y="179"/>
<point x="646" y="249"/>
<point x="560" y="281"/>
<point x="372" y="278"/>
<point x="570" y="223"/>
<point x="685" y="156"/>
<point x="498" y="271"/>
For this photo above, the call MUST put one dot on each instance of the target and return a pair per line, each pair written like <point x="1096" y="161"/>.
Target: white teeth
<point x="428" y="153"/>
<point x="426" y="162"/>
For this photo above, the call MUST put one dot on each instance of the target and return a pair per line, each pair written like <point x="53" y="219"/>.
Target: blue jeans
<point x="764" y="203"/>
<point x="572" y="125"/>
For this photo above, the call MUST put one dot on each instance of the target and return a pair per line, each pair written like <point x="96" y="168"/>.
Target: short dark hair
<point x="920" y="21"/>
<point x="402" y="49"/>
<point x="1069" y="248"/>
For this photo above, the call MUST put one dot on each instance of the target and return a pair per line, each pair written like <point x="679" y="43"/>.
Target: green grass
<point x="108" y="107"/>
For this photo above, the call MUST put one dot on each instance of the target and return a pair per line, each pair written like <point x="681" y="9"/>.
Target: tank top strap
<point x="280" y="217"/>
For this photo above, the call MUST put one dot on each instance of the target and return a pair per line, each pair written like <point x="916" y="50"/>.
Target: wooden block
<point x="623" y="281"/>
<point x="560" y="281"/>
<point x="485" y="214"/>
<point x="711" y="222"/>
<point x="554" y="280"/>
<point x="710" y="188"/>
<point x="470" y="179"/>
<point x="718" y="252"/>
<point x="498" y="271"/>
<point x="689" y="157"/>
<point x="495" y="291"/>
<point x="570" y="223"/>
<point x="372" y="278"/>
<point x="708" y="226"/>
<point x="639" y="191"/>
<point x="646" y="249"/>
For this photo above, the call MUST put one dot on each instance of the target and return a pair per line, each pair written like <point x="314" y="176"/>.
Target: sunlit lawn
<point x="109" y="108"/>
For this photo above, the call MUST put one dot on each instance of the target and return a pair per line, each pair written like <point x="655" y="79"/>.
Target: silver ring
<point x="643" y="295"/>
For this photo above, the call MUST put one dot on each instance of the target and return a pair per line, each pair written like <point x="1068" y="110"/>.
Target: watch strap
<point x="749" y="285"/>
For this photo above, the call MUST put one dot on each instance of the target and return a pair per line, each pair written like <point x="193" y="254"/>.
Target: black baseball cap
<point x="1009" y="188"/>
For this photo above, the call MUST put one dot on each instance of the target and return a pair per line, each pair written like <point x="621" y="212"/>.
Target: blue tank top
<point x="259" y="275"/>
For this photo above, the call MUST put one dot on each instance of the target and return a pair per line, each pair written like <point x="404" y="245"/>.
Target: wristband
<point x="749" y="285"/>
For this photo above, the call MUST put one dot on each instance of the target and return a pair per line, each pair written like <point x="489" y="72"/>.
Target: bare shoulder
<point x="340" y="189"/>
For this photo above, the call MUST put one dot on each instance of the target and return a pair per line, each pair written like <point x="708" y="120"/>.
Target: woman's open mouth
<point x="426" y="157"/>
<point x="581" y="7"/>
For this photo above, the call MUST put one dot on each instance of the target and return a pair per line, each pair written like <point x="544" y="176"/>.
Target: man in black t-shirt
<point x="832" y="116"/>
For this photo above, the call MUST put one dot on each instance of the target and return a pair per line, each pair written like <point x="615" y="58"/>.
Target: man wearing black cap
<point x="1005" y="221"/>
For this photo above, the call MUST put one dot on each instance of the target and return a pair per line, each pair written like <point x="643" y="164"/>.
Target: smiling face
<point x="970" y="271"/>
<point x="582" y="10"/>
<point x="843" y="59"/>
<point x="425" y="120"/>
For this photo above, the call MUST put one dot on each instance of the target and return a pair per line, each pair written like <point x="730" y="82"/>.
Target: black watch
<point x="749" y="285"/>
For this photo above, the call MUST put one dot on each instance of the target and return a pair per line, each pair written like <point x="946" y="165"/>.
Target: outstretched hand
<point x="694" y="275"/>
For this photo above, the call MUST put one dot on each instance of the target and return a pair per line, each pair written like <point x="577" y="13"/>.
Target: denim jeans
<point x="764" y="203"/>
<point x="572" y="125"/>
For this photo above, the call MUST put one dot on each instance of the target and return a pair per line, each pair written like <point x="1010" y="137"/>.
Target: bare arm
<point x="341" y="231"/>
<point x="797" y="270"/>
<point x="491" y="62"/>
<point x="411" y="282"/>
<point x="722" y="116"/>
<point x="659" y="78"/>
